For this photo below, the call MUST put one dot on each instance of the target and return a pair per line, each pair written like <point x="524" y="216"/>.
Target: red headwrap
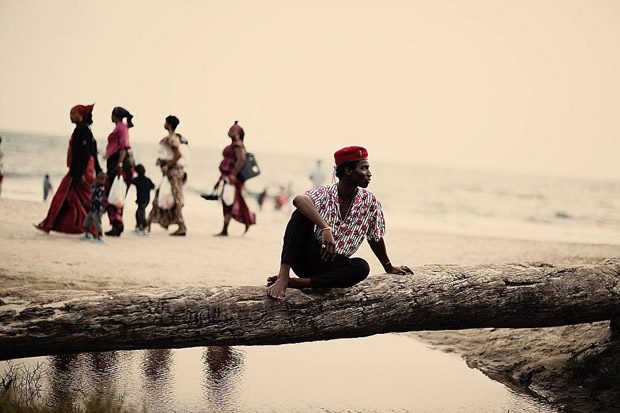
<point x="236" y="130"/>
<point x="83" y="110"/>
<point x="350" y="153"/>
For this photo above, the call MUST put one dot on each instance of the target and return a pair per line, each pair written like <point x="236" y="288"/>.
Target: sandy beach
<point x="529" y="359"/>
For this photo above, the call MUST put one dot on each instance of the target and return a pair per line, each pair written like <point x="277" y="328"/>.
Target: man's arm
<point x="380" y="251"/>
<point x="328" y="244"/>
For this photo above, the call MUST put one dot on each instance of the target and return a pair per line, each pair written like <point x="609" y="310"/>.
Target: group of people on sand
<point x="81" y="197"/>
<point x="326" y="229"/>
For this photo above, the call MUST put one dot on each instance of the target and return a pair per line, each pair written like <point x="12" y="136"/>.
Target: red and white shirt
<point x="365" y="218"/>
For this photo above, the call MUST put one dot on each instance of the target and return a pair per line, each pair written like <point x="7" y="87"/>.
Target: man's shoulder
<point x="367" y="195"/>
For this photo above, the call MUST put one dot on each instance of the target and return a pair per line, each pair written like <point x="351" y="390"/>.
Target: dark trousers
<point x="302" y="252"/>
<point x="141" y="216"/>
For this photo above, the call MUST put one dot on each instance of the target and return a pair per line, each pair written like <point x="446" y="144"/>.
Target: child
<point x="143" y="195"/>
<point x="96" y="208"/>
<point x="47" y="187"/>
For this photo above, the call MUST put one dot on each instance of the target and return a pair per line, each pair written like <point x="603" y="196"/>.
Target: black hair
<point x="140" y="169"/>
<point x="121" y="112"/>
<point x="173" y="121"/>
<point x="341" y="168"/>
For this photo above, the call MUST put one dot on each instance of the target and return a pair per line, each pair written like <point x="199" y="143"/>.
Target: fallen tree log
<point x="437" y="297"/>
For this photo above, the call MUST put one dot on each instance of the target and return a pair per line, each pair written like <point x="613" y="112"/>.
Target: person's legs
<point x="344" y="273"/>
<point x="227" y="211"/>
<point x="114" y="214"/>
<point x="141" y="216"/>
<point x="88" y="222"/>
<point x="176" y="182"/>
<point x="300" y="251"/>
<point x="97" y="222"/>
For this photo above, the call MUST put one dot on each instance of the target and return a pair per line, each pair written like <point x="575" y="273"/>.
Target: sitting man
<point x="329" y="225"/>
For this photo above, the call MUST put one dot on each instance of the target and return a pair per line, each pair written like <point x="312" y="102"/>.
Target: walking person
<point x="67" y="210"/>
<point x="118" y="163"/>
<point x="233" y="203"/>
<point x="144" y="186"/>
<point x="317" y="176"/>
<point x="47" y="187"/>
<point x="96" y="207"/>
<point x="329" y="225"/>
<point x="171" y="162"/>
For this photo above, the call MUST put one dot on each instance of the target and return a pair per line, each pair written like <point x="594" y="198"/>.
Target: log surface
<point x="437" y="297"/>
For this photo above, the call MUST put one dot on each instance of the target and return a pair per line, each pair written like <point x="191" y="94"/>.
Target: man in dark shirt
<point x="143" y="195"/>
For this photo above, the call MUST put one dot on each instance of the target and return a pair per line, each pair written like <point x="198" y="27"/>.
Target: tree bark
<point x="437" y="297"/>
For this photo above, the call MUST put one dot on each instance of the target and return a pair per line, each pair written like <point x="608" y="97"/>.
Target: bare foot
<point x="247" y="227"/>
<point x="271" y="280"/>
<point x="221" y="234"/>
<point x="278" y="289"/>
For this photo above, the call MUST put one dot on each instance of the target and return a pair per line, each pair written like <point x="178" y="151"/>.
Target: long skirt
<point x="239" y="209"/>
<point x="174" y="215"/>
<point x="69" y="206"/>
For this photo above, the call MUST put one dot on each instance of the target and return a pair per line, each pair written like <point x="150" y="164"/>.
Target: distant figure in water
<point x="233" y="203"/>
<point x="1" y="166"/>
<point x="317" y="176"/>
<point x="67" y="210"/>
<point x="281" y="199"/>
<point x="329" y="225"/>
<point x="47" y="187"/>
<point x="260" y="199"/>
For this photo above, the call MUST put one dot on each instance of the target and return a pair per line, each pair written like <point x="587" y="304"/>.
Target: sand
<point x="32" y="260"/>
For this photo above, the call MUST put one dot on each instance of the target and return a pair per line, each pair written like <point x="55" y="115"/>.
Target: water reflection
<point x="75" y="377"/>
<point x="156" y="365"/>
<point x="62" y="383"/>
<point x="222" y="371"/>
<point x="374" y="374"/>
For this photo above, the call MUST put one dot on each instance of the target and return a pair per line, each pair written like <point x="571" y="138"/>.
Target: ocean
<point x="417" y="197"/>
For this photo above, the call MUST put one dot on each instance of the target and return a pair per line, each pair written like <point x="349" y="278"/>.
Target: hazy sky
<point x="523" y="85"/>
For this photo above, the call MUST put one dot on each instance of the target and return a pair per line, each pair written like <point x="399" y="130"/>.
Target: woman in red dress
<point x="234" y="205"/>
<point x="69" y="205"/>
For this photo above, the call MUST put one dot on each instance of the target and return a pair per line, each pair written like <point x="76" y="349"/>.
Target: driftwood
<point x="437" y="297"/>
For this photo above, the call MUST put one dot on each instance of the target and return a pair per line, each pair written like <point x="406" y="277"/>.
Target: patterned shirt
<point x="365" y="218"/>
<point x="97" y="199"/>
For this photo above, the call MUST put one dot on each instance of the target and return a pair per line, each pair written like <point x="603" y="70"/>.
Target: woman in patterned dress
<point x="172" y="166"/>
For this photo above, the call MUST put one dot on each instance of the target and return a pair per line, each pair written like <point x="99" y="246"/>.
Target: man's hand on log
<point x="400" y="270"/>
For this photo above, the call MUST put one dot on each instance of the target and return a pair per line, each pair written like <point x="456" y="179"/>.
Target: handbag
<point x="165" y="200"/>
<point x="250" y="168"/>
<point x="118" y="191"/>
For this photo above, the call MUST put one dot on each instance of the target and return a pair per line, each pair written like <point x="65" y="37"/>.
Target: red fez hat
<point x="350" y="153"/>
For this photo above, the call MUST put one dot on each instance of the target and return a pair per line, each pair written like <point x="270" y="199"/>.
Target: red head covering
<point x="350" y="153"/>
<point x="236" y="130"/>
<point x="83" y="109"/>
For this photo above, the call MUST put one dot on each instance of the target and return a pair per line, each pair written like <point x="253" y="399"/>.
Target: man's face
<point x="361" y="174"/>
